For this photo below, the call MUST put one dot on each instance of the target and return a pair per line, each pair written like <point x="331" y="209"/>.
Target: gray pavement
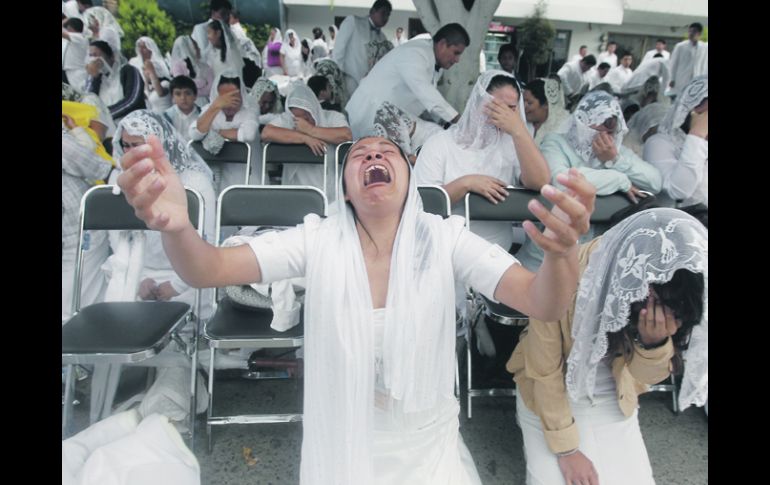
<point x="677" y="444"/>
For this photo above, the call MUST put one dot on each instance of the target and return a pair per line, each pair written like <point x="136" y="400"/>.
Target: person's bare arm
<point x="492" y="188"/>
<point x="272" y="133"/>
<point x="153" y="188"/>
<point x="329" y="135"/>
<point x="534" y="169"/>
<point x="230" y="134"/>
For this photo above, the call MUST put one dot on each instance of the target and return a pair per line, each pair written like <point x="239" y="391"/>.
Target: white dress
<point x="416" y="448"/>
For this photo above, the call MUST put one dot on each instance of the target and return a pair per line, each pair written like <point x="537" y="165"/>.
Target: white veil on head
<point x="690" y="97"/>
<point x="297" y="41"/>
<point x="143" y="122"/>
<point x="262" y="86"/>
<point x="474" y="131"/>
<point x="593" y="109"/>
<point x="184" y="48"/>
<point x="645" y="248"/>
<point x="302" y="97"/>
<point x="392" y="122"/>
<point x="104" y="17"/>
<point x="233" y="57"/>
<point x="641" y="122"/>
<point x="418" y="345"/>
<point x="157" y="59"/>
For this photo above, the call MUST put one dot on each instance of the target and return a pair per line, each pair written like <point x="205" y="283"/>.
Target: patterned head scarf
<point x="645" y="248"/>
<point x="594" y="109"/>
<point x="690" y="97"/>
<point x="143" y="123"/>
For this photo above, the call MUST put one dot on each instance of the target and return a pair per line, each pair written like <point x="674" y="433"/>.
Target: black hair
<point x="537" y="88"/>
<point x="219" y="5"/>
<point x="611" y="43"/>
<point x="217" y="27"/>
<point x="380" y="4"/>
<point x="235" y="81"/>
<point x="590" y="60"/>
<point x="683" y="294"/>
<point x="454" y="34"/>
<point x="183" y="82"/>
<point x="657" y="55"/>
<point x="506" y="48"/>
<point x="306" y="45"/>
<point x="90" y="3"/>
<point x="317" y="84"/>
<point x="500" y="81"/>
<point x="697" y="26"/>
<point x="583" y="47"/>
<point x="235" y="14"/>
<point x="75" y="24"/>
<point x="104" y="47"/>
<point x="317" y="32"/>
<point x="663" y="41"/>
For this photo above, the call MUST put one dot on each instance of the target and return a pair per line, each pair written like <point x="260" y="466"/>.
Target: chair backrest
<point x="435" y="200"/>
<point x="514" y="207"/>
<point x="232" y="152"/>
<point x="102" y="210"/>
<point x="268" y="205"/>
<point x="339" y="157"/>
<point x="290" y="153"/>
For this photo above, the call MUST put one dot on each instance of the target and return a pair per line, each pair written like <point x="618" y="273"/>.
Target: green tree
<point x="536" y="36"/>
<point x="143" y="18"/>
<point x="257" y="33"/>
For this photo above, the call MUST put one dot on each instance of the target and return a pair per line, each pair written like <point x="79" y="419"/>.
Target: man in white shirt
<point x="407" y="78"/>
<point x="574" y="75"/>
<point x="582" y="52"/>
<point x="657" y="66"/>
<point x="660" y="48"/>
<point x="619" y="75"/>
<point x="218" y="10"/>
<point x="319" y="49"/>
<point x="598" y="75"/>
<point x="609" y="56"/>
<point x="399" y="38"/>
<point x="358" y="39"/>
<point x="689" y="59"/>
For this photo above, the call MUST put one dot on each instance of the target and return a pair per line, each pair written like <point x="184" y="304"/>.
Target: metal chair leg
<point x="674" y="394"/>
<point x="209" y="411"/>
<point x="67" y="408"/>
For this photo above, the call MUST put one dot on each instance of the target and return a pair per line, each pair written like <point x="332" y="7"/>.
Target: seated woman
<point x="680" y="148"/>
<point x="379" y="306"/>
<point x="544" y="106"/>
<point x="592" y="143"/>
<point x="306" y="122"/>
<point x="265" y="94"/>
<point x="224" y="55"/>
<point x="643" y="124"/>
<point x="332" y="72"/>
<point x="150" y="63"/>
<point x="642" y="307"/>
<point x="186" y="61"/>
<point x="487" y="150"/>
<point x="229" y="116"/>
<point x="138" y="269"/>
<point x="117" y="83"/>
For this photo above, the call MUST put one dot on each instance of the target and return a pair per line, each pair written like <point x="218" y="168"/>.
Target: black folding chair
<point x="233" y="326"/>
<point x="124" y="332"/>
<point x="232" y="152"/>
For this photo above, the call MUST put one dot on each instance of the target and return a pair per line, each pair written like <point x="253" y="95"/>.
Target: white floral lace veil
<point x="647" y="247"/>
<point x="593" y="109"/>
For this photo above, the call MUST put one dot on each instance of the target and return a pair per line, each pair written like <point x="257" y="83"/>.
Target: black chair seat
<point x="494" y="310"/>
<point x="121" y="327"/>
<point x="236" y="322"/>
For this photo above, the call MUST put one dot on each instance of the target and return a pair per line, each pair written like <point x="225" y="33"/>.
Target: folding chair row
<point x="124" y="332"/>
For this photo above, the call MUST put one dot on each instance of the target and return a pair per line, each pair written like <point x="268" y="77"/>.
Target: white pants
<point x="610" y="440"/>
